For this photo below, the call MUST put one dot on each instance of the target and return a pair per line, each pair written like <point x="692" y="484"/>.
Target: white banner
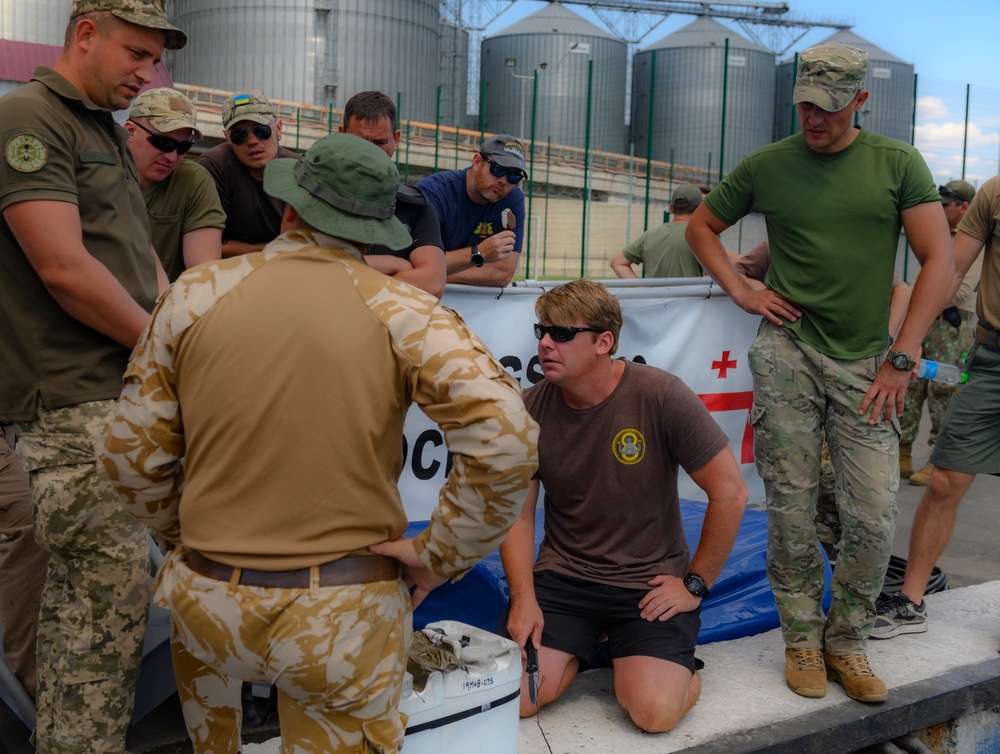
<point x="694" y="331"/>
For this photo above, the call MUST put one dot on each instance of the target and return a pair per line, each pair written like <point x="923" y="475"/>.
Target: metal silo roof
<point x="705" y="32"/>
<point x="876" y="53"/>
<point x="554" y="18"/>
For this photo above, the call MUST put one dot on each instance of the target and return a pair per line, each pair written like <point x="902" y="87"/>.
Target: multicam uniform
<point x="58" y="379"/>
<point x="282" y="380"/>
<point x="812" y="374"/>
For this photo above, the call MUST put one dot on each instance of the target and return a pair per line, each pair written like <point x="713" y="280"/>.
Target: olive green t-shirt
<point x="664" y="253"/>
<point x="982" y="222"/>
<point x="59" y="146"/>
<point x="185" y="200"/>
<point x="833" y="223"/>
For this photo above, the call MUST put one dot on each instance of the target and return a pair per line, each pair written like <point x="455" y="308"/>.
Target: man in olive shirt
<point x="185" y="215"/>
<point x="77" y="280"/>
<point x="663" y="252"/>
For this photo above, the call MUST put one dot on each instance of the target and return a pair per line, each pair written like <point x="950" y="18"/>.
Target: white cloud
<point x="931" y="108"/>
<point x="931" y="136"/>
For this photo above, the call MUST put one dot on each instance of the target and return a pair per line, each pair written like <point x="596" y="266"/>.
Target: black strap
<point x="448" y="720"/>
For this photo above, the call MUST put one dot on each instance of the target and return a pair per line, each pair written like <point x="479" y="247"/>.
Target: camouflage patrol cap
<point x="148" y="13"/>
<point x="830" y="75"/>
<point x="962" y="191"/>
<point x="250" y="105"/>
<point x="166" y="109"/>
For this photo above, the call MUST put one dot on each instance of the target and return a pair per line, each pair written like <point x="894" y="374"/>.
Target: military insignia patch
<point x="26" y="153"/>
<point x="629" y="446"/>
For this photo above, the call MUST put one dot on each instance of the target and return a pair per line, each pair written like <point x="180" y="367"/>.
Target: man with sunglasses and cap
<point x="481" y="211"/>
<point x="308" y="533"/>
<point x="185" y="215"/>
<point x="78" y="278"/>
<point x="614" y="559"/>
<point x="253" y="131"/>
<point x="835" y="198"/>
<point x="947" y="341"/>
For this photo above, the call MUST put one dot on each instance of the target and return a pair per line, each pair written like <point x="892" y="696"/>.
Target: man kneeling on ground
<point x="614" y="558"/>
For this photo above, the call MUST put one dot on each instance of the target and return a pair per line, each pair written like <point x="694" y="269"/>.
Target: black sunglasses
<point x="561" y="333"/>
<point x="948" y="193"/>
<point x="499" y="171"/>
<point x="165" y="143"/>
<point x="238" y="136"/>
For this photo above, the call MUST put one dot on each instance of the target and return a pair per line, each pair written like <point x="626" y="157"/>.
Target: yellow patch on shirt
<point x="26" y="153"/>
<point x="629" y="446"/>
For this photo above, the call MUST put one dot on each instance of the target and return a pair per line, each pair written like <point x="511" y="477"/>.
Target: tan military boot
<point x="923" y="477"/>
<point x="856" y="676"/>
<point x="905" y="461"/>
<point x="805" y="673"/>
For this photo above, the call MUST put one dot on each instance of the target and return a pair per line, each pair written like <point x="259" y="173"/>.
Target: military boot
<point x="923" y="477"/>
<point x="856" y="676"/>
<point x="905" y="460"/>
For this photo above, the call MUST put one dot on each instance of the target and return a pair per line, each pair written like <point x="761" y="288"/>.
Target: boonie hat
<point x="166" y="109"/>
<point x="830" y="75"/>
<point x="343" y="186"/>
<point x="148" y="13"/>
<point x="687" y="196"/>
<point x="962" y="191"/>
<point x="506" y="150"/>
<point x="249" y="105"/>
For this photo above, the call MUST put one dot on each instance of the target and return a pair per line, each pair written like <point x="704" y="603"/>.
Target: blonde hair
<point x="590" y="301"/>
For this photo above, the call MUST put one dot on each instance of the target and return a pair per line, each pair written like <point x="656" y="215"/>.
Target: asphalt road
<point x="972" y="557"/>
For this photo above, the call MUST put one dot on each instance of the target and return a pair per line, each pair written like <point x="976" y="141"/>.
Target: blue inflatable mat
<point x="740" y="605"/>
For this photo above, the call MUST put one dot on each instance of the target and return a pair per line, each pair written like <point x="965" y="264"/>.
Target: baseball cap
<point x="506" y="150"/>
<point x="830" y="75"/>
<point x="687" y="196"/>
<point x="250" y="105"/>
<point x="343" y="186"/>
<point x="962" y="191"/>
<point x="167" y="110"/>
<point x="148" y="13"/>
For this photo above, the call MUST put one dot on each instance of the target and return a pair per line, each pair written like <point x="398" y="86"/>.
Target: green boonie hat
<point x="148" y="13"/>
<point x="830" y="75"/>
<point x="166" y="109"/>
<point x="687" y="196"/>
<point x="249" y="105"/>
<point x="962" y="191"/>
<point x="343" y="186"/>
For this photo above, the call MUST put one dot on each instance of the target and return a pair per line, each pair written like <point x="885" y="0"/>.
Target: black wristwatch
<point x="696" y="585"/>
<point x="900" y="361"/>
<point x="477" y="258"/>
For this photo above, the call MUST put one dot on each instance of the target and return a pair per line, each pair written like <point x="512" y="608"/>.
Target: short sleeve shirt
<point x="982" y="222"/>
<point x="184" y="201"/>
<point x="420" y="220"/>
<point x="59" y="146"/>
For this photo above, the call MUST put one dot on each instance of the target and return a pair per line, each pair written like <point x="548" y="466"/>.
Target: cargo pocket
<point x="384" y="736"/>
<point x="70" y="494"/>
<point x="761" y="439"/>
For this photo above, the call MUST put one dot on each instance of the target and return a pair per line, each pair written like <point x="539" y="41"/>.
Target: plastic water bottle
<point x="947" y="374"/>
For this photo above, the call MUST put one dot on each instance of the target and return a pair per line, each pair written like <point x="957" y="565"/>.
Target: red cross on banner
<point x="724" y="365"/>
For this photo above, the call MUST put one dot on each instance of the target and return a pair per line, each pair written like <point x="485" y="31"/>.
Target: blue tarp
<point x="740" y="605"/>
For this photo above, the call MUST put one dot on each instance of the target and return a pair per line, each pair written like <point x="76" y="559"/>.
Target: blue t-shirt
<point x="463" y="222"/>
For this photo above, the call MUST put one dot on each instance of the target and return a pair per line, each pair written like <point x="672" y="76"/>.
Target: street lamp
<point x="524" y="79"/>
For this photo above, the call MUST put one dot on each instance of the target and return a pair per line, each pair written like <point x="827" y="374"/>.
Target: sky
<point x="950" y="46"/>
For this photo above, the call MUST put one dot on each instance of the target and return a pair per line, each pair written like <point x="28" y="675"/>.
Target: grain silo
<point x="314" y="51"/>
<point x="687" y="96"/>
<point x="454" y="75"/>
<point x="889" y="108"/>
<point x="558" y="44"/>
<point x="39" y="21"/>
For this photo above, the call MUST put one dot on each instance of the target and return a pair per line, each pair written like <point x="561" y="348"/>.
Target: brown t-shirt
<point x="612" y="513"/>
<point x="982" y="222"/>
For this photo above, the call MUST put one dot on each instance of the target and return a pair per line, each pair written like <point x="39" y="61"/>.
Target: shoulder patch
<point x="26" y="153"/>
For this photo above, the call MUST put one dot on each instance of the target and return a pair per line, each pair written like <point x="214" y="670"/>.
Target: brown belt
<point x="353" y="569"/>
<point x="988" y="337"/>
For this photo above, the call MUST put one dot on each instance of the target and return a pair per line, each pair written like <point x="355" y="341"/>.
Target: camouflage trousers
<point x="96" y="596"/>
<point x="799" y="393"/>
<point x="336" y="654"/>
<point x="944" y="344"/>
<point x="22" y="566"/>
